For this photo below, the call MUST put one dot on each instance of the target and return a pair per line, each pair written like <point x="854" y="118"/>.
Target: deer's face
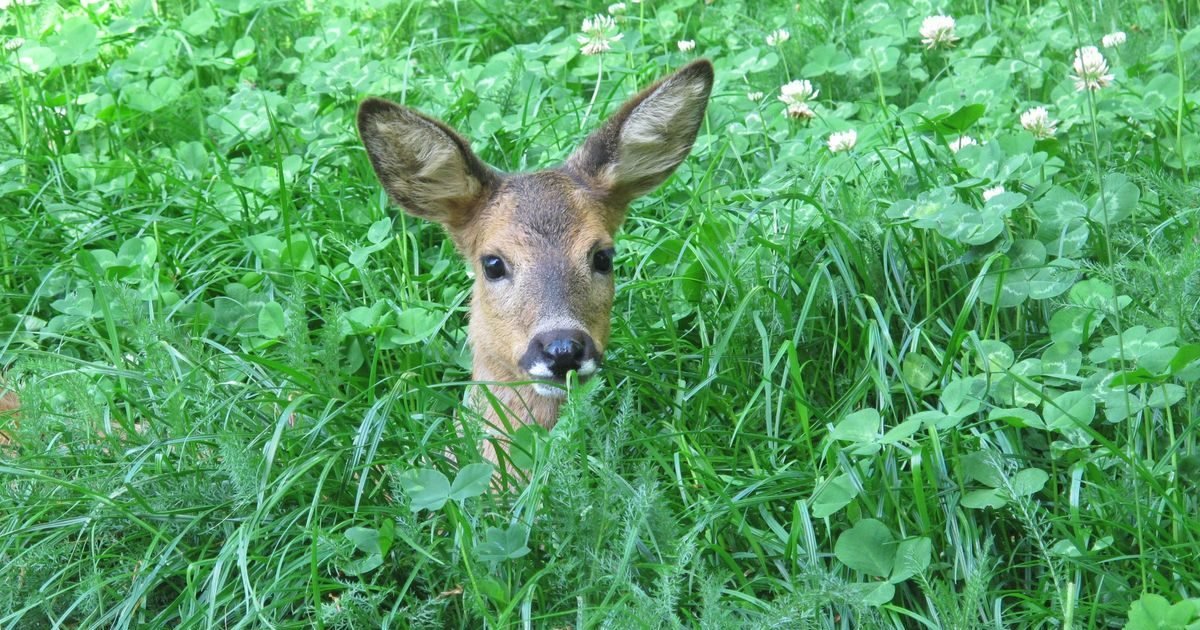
<point x="543" y="261"/>
<point x="540" y="244"/>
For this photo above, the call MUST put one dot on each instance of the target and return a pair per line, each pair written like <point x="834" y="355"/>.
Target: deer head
<point x="541" y="244"/>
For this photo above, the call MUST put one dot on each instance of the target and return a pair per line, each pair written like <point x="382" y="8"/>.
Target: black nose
<point x="556" y="352"/>
<point x="563" y="354"/>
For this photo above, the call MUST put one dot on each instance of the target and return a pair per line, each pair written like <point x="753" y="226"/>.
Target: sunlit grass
<point x="851" y="384"/>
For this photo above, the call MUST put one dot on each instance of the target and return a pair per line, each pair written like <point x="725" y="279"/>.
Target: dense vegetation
<point x="940" y="372"/>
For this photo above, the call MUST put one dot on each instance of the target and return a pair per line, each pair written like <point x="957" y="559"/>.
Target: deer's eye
<point x="602" y="261"/>
<point x="493" y="267"/>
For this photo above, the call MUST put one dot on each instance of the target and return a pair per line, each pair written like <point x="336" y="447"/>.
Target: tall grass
<point x="843" y="389"/>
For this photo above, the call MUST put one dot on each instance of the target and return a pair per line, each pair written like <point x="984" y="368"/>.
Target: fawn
<point x="541" y="244"/>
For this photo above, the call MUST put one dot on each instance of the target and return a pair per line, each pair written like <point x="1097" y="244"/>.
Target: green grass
<point x="843" y="390"/>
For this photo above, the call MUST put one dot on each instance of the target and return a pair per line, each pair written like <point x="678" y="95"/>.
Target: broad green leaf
<point x="823" y="59"/>
<point x="964" y="396"/>
<point x="1004" y="203"/>
<point x="994" y="356"/>
<point x="1186" y="358"/>
<point x="902" y="431"/>
<point x="1190" y="40"/>
<point x="1062" y="359"/>
<point x="359" y="566"/>
<point x="267" y="247"/>
<point x="875" y="593"/>
<point x="35" y="59"/>
<point x="912" y="557"/>
<point x="1069" y="411"/>
<point x="1122" y="403"/>
<point x="472" y="480"/>
<point x="962" y="119"/>
<point x="1028" y="481"/>
<point x="1057" y="208"/>
<point x="76" y="41"/>
<point x="1165" y="395"/>
<point x="934" y="418"/>
<point x="1118" y="202"/>
<point x="528" y="444"/>
<point x="981" y="466"/>
<point x="414" y="325"/>
<point x="1071" y="324"/>
<point x="860" y="426"/>
<point x="364" y="319"/>
<point x="868" y="547"/>
<point x="199" y="21"/>
<point x="964" y="224"/>
<point x="427" y="489"/>
<point x="365" y="539"/>
<point x="980" y="499"/>
<point x="832" y="496"/>
<point x="1052" y="279"/>
<point x="918" y="371"/>
<point x="1017" y="416"/>
<point x="192" y="157"/>
<point x="503" y="544"/>
<point x="161" y="92"/>
<point x="379" y="231"/>
<point x="1154" y="612"/>
<point x="243" y="48"/>
<point x="1020" y="386"/>
<point x="271" y="323"/>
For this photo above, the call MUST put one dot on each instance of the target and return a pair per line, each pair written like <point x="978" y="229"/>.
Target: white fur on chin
<point x="549" y="391"/>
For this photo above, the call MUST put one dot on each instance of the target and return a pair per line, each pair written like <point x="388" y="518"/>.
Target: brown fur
<point x="546" y="226"/>
<point x="9" y="405"/>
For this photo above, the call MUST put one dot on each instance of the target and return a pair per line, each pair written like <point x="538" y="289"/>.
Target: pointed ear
<point x="640" y="146"/>
<point x="424" y="166"/>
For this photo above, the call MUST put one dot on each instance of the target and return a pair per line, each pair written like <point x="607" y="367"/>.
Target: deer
<point x="541" y="244"/>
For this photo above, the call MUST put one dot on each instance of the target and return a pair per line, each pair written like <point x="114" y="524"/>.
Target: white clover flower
<point x="616" y="8"/>
<point x="962" y="141"/>
<point x="14" y="43"/>
<point x="599" y="32"/>
<point x="686" y="45"/>
<point x="799" y="91"/>
<point x="992" y="192"/>
<point x="938" y="31"/>
<point x="777" y="37"/>
<point x="1037" y="122"/>
<point x="800" y="111"/>
<point x="754" y="96"/>
<point x="1112" y="40"/>
<point x="1091" y="69"/>
<point x="842" y="140"/>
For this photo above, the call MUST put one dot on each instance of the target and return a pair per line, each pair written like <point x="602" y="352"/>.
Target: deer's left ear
<point x="640" y="146"/>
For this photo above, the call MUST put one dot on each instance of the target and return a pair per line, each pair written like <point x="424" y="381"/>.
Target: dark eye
<point x="493" y="267"/>
<point x="602" y="261"/>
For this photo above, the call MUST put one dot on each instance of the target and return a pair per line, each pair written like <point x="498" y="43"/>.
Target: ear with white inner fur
<point x="652" y="133"/>
<point x="424" y="166"/>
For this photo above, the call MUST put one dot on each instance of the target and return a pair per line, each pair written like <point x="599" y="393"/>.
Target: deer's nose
<point x="556" y="352"/>
<point x="563" y="354"/>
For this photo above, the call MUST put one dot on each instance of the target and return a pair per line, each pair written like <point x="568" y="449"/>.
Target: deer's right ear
<point x="640" y="145"/>
<point x="424" y="166"/>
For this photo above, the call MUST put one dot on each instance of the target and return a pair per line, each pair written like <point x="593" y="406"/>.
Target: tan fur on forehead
<point x="538" y="210"/>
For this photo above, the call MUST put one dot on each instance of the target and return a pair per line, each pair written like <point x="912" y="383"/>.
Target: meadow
<point x="909" y="341"/>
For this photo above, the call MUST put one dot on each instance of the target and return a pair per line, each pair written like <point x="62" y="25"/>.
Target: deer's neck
<point x="519" y="404"/>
